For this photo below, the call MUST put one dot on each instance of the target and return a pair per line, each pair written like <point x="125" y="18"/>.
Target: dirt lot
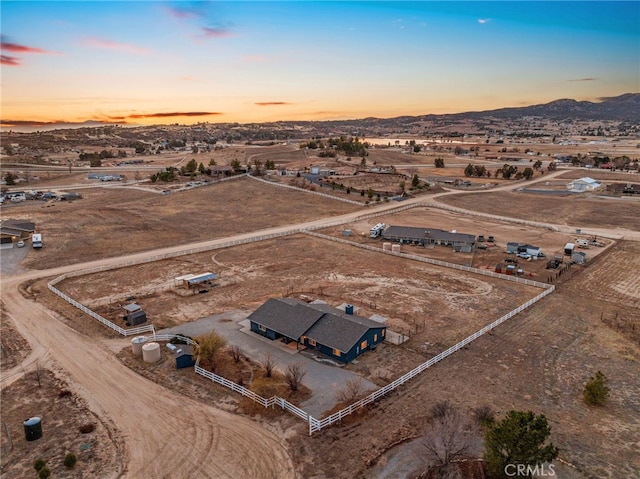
<point x="14" y="347"/>
<point x="112" y="222"/>
<point x="581" y="211"/>
<point x="405" y="292"/>
<point x="63" y="414"/>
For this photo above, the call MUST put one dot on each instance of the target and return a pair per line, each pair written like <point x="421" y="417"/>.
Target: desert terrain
<point x="538" y="360"/>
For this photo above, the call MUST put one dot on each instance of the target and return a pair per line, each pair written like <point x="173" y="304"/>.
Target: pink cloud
<point x="10" y="61"/>
<point x="14" y="47"/>
<point x="168" y="115"/>
<point x="216" y="32"/>
<point x="112" y="45"/>
<point x="184" y="12"/>
<point x="271" y="103"/>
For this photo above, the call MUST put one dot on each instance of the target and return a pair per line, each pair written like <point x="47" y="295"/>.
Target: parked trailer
<point x="36" y="240"/>
<point x="377" y="230"/>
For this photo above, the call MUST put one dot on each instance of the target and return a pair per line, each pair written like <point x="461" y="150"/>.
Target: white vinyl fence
<point x="282" y="185"/>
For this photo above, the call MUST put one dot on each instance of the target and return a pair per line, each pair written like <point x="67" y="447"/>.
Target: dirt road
<point x="165" y="435"/>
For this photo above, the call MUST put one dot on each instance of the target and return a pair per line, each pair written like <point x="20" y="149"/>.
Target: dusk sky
<point x="184" y="62"/>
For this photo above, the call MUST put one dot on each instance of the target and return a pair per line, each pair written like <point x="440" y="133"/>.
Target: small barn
<point x="134" y="315"/>
<point x="338" y="334"/>
<point x="183" y="355"/>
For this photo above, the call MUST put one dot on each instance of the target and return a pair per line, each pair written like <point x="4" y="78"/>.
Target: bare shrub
<point x="268" y="362"/>
<point x="64" y="393"/>
<point x="352" y="391"/>
<point x="484" y="415"/>
<point x="236" y="353"/>
<point x="441" y="409"/>
<point x="293" y="375"/>
<point x="87" y="428"/>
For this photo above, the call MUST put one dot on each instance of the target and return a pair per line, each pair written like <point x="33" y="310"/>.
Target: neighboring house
<point x="583" y="184"/>
<point x="16" y="229"/>
<point x="430" y="236"/>
<point x="329" y="330"/>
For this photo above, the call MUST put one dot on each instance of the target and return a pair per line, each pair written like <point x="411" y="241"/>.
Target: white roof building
<point x="583" y="184"/>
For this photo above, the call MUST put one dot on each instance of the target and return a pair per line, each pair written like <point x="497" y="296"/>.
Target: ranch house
<point x="335" y="333"/>
<point x="430" y="236"/>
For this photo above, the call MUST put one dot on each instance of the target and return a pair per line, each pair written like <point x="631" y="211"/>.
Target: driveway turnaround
<point x="324" y="377"/>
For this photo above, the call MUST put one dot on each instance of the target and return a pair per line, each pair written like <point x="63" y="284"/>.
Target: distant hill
<point x="623" y="107"/>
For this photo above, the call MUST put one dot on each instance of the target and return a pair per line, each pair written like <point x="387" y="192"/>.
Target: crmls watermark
<point x="526" y="470"/>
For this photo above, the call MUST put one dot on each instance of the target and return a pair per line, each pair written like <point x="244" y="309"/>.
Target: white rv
<point x="36" y="240"/>
<point x="377" y="230"/>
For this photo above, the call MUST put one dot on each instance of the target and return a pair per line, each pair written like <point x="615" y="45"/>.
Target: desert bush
<point x="236" y="353"/>
<point x="293" y="375"/>
<point x="441" y="409"/>
<point x="70" y="460"/>
<point x="39" y="464"/>
<point x="352" y="391"/>
<point x="596" y="391"/>
<point x="44" y="473"/>
<point x="268" y="362"/>
<point x="484" y="415"/>
<point x="87" y="428"/>
<point x="64" y="393"/>
<point x="209" y="345"/>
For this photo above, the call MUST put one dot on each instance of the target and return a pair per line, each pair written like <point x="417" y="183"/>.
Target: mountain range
<point x="623" y="107"/>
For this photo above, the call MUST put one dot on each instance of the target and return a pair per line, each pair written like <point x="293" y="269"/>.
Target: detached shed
<point x="579" y="257"/>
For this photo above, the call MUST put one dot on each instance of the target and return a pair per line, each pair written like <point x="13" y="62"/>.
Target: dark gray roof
<point x="416" y="234"/>
<point x="324" y="324"/>
<point x="292" y="319"/>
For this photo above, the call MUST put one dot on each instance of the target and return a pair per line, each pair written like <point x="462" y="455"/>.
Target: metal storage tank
<point x="386" y="246"/>
<point x="395" y="248"/>
<point x="151" y="352"/>
<point x="33" y="428"/>
<point x="136" y="345"/>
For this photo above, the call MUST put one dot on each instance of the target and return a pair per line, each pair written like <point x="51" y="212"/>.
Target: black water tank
<point x="33" y="428"/>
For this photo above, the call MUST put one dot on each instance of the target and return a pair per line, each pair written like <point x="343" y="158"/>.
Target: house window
<point x="312" y="342"/>
<point x="375" y="338"/>
<point x="383" y="332"/>
<point x="363" y="344"/>
<point x="336" y="352"/>
<point x="262" y="328"/>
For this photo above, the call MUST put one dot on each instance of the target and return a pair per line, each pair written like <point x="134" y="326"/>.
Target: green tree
<point x="520" y="438"/>
<point x="235" y="164"/>
<point x="191" y="166"/>
<point x="415" y="181"/>
<point x="212" y="162"/>
<point x="596" y="391"/>
<point x="70" y="460"/>
<point x="44" y="473"/>
<point x="527" y="173"/>
<point x="270" y="165"/>
<point x="10" y="178"/>
<point x="468" y="171"/>
<point x="439" y="162"/>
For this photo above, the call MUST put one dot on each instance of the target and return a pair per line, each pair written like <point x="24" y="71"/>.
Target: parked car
<point x="524" y="255"/>
<point x="20" y="244"/>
